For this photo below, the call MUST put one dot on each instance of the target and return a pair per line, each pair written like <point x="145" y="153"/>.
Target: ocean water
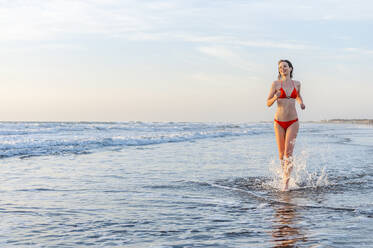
<point x="135" y="184"/>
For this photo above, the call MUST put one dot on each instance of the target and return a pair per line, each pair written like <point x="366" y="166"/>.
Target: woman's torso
<point x="286" y="110"/>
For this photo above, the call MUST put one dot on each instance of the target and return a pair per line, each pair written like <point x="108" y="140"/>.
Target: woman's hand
<point x="277" y="94"/>
<point x="302" y="106"/>
<point x="273" y="95"/>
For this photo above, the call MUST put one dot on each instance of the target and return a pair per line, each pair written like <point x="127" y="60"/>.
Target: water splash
<point x="301" y="177"/>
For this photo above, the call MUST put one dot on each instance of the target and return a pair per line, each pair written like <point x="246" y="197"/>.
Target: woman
<point x="285" y="91"/>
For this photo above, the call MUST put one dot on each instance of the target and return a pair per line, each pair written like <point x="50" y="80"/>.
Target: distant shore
<point x="350" y="121"/>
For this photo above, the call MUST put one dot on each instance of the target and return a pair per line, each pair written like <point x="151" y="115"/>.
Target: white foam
<point x="301" y="176"/>
<point x="30" y="139"/>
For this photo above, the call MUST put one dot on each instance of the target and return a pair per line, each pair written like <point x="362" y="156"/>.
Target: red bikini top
<point x="294" y="94"/>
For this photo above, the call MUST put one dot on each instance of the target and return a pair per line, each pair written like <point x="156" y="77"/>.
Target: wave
<point x="269" y="197"/>
<point x="37" y="139"/>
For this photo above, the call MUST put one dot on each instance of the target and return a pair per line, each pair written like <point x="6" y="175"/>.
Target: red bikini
<point x="294" y="94"/>
<point x="286" y="124"/>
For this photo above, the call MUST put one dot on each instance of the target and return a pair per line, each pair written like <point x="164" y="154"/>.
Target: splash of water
<point x="301" y="176"/>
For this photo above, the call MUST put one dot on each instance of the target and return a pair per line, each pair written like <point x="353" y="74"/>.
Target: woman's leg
<point x="280" y="139"/>
<point x="290" y="136"/>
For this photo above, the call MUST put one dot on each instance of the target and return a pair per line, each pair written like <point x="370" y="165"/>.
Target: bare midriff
<point x="286" y="110"/>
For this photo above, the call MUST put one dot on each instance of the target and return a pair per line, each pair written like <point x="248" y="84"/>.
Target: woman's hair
<point x="289" y="64"/>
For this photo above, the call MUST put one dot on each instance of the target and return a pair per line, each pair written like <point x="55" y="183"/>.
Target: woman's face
<point x="284" y="69"/>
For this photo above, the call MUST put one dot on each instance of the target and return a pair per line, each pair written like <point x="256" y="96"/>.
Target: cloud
<point x="207" y="23"/>
<point x="41" y="20"/>
<point x="219" y="52"/>
<point x="325" y="10"/>
<point x="359" y="50"/>
<point x="271" y="44"/>
<point x="226" y="55"/>
<point x="231" y="40"/>
<point x="220" y="79"/>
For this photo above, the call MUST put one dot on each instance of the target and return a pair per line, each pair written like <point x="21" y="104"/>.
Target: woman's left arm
<point x="300" y="99"/>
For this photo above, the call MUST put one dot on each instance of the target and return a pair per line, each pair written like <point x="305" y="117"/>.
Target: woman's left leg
<point x="290" y="136"/>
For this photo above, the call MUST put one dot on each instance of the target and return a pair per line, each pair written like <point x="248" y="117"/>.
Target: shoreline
<point x="349" y="121"/>
<point x="333" y="121"/>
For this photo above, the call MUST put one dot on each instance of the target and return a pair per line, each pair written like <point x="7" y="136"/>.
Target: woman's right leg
<point x="280" y="139"/>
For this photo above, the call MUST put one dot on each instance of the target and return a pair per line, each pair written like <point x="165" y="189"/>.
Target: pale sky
<point x="181" y="60"/>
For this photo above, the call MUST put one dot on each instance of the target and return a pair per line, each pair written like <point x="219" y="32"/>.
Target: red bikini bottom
<point x="286" y="124"/>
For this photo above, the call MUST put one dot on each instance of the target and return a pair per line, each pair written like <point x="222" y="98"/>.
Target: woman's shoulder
<point x="296" y="82"/>
<point x="276" y="82"/>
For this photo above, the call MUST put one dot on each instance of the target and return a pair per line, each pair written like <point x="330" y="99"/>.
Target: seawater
<point x="136" y="184"/>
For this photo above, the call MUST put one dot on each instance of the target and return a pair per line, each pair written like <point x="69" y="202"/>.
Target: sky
<point x="182" y="60"/>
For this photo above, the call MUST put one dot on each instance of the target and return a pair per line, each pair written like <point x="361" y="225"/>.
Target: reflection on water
<point x="286" y="232"/>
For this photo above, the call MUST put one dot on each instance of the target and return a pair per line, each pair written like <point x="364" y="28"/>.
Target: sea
<point x="183" y="184"/>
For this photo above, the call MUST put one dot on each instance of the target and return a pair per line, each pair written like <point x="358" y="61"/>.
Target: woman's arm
<point x="273" y="95"/>
<point x="300" y="99"/>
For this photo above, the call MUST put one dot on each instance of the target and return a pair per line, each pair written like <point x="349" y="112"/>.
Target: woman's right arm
<point x="273" y="95"/>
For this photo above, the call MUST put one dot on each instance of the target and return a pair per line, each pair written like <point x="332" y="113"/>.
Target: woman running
<point x="285" y="91"/>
